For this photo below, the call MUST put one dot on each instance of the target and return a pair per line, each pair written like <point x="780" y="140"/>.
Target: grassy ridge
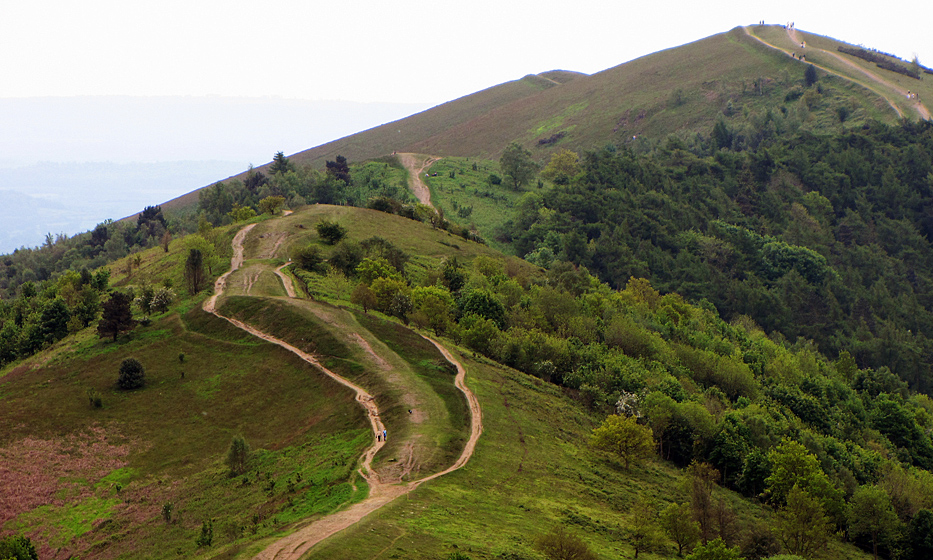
<point x="165" y="442"/>
<point x="532" y="470"/>
<point x="429" y="365"/>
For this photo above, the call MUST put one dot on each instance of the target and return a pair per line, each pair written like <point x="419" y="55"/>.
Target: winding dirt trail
<point x="416" y="166"/>
<point x="297" y="544"/>
<point x="871" y="76"/>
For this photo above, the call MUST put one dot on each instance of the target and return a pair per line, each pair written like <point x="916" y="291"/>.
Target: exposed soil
<point x="381" y="492"/>
<point x="792" y="34"/>
<point x="416" y="164"/>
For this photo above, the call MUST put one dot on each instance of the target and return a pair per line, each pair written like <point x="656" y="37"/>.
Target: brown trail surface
<point x="297" y="544"/>
<point x="873" y="77"/>
<point x="416" y="164"/>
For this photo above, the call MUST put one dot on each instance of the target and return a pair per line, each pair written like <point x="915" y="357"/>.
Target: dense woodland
<point x="820" y="238"/>
<point x="778" y="422"/>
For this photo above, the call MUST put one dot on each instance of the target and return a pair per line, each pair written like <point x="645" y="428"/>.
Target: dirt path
<point x="295" y="545"/>
<point x="286" y="281"/>
<point x="792" y="35"/>
<point x="416" y="166"/>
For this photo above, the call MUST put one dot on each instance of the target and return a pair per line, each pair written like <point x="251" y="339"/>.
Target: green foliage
<point x="517" y="166"/>
<point x="372" y="268"/>
<point x="643" y="530"/>
<point x="309" y="258"/>
<point x="677" y="523"/>
<point x="206" y="537"/>
<point x="238" y="454"/>
<point x="194" y="271"/>
<point x="870" y="511"/>
<point x="241" y="213"/>
<point x="563" y="165"/>
<point x="809" y="75"/>
<point x="271" y="204"/>
<point x="17" y="547"/>
<point x="623" y="436"/>
<point x="280" y="164"/>
<point x="715" y="550"/>
<point x="803" y="526"/>
<point x="330" y="232"/>
<point x="117" y="316"/>
<point x="132" y="375"/>
<point x="558" y="544"/>
<point x="920" y="535"/>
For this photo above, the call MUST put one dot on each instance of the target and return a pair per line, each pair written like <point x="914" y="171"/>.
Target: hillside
<point x="710" y="391"/>
<point x="682" y="90"/>
<point x="717" y="339"/>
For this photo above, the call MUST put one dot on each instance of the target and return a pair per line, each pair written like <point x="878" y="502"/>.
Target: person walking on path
<point x="385" y="436"/>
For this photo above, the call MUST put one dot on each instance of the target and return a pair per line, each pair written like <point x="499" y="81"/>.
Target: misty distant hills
<point x="143" y="150"/>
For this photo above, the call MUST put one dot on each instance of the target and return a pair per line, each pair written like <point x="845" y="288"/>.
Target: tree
<point x="132" y="375"/>
<point x="161" y="300"/>
<point x="117" y="317"/>
<point x="207" y="534"/>
<point x="330" y="232"/>
<point x="643" y="531"/>
<point x="803" y="526"/>
<point x="677" y="523"/>
<point x="17" y="547"/>
<point x="271" y="204"/>
<point x="624" y="437"/>
<point x="809" y="75"/>
<point x="339" y="169"/>
<point x="558" y="544"/>
<point x="309" y="258"/>
<point x="363" y="296"/>
<point x="433" y="306"/>
<point x="702" y="478"/>
<point x="517" y="165"/>
<point x="238" y="456"/>
<point x="280" y="164"/>
<point x="241" y="213"/>
<point x="870" y="511"/>
<point x="715" y="550"/>
<point x="562" y="166"/>
<point x="793" y="465"/>
<point x="194" y="271"/>
<point x="166" y="240"/>
<point x="920" y="535"/>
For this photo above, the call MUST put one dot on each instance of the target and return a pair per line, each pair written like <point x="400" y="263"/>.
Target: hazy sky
<point x="365" y="50"/>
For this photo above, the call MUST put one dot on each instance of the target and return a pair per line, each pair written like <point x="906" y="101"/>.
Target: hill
<point x="682" y="90"/>
<point x="710" y="391"/>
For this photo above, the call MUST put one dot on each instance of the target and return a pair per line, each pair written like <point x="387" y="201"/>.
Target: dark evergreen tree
<point x="117" y="316"/>
<point x="132" y="375"/>
<point x="194" y="271"/>
<point x="339" y="169"/>
<point x="279" y="164"/>
<point x="809" y="75"/>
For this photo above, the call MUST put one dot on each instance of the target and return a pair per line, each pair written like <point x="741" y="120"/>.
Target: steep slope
<point x="684" y="90"/>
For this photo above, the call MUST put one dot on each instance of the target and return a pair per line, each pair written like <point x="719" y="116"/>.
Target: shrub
<point x="132" y="375"/>
<point x="237" y="456"/>
<point x="330" y="232"/>
<point x="94" y="398"/>
<point x="207" y="534"/>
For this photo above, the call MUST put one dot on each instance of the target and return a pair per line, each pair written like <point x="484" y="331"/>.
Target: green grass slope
<point x="740" y="74"/>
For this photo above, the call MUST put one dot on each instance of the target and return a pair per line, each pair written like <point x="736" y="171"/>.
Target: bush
<point x="238" y="456"/>
<point x="132" y="375"/>
<point x="330" y="232"/>
<point x="309" y="258"/>
<point x="94" y="398"/>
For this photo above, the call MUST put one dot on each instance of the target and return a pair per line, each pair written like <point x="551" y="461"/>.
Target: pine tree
<point x="117" y="317"/>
